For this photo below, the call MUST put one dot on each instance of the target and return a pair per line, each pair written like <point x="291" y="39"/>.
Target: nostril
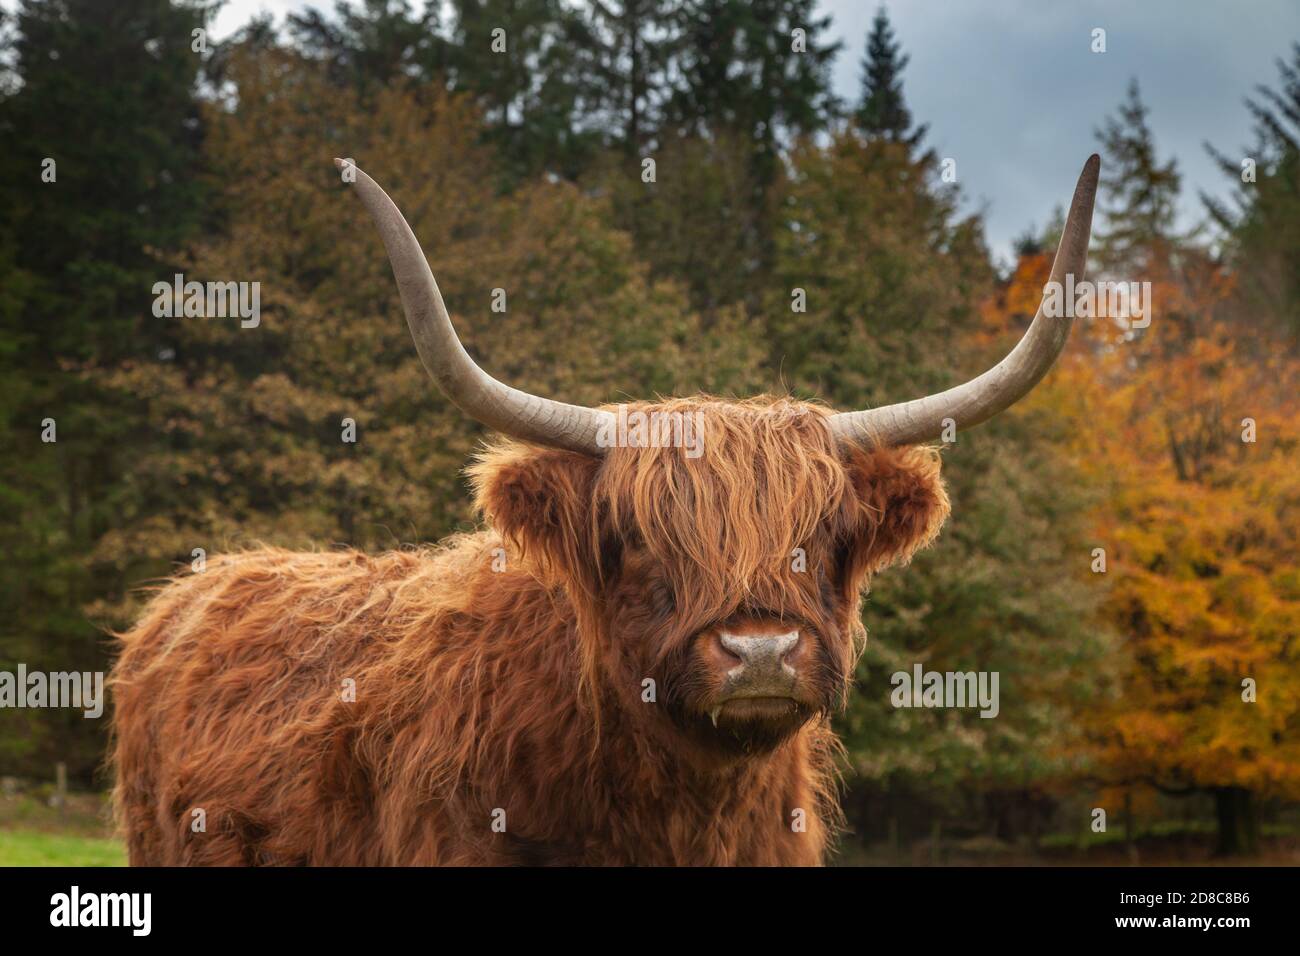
<point x="787" y="654"/>
<point x="791" y="654"/>
<point x="731" y="648"/>
<point x="736" y="647"/>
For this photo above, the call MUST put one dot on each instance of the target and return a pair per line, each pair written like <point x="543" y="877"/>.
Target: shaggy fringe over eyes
<point x="728" y="520"/>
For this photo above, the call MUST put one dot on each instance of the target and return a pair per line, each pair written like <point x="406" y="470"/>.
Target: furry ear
<point x="541" y="501"/>
<point x="902" y="504"/>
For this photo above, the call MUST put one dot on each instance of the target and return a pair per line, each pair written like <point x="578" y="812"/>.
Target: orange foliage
<point x="1199" y="525"/>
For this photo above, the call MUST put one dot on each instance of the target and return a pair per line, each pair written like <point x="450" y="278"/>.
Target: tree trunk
<point x="1236" y="819"/>
<point x="1130" y="830"/>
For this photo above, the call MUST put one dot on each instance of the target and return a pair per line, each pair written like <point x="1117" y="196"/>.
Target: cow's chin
<point x="752" y="725"/>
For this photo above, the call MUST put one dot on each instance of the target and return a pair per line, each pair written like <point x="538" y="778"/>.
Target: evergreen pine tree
<point x="1139" y="193"/>
<point x="759" y="69"/>
<point x="520" y="60"/>
<point x="625" y="50"/>
<point x="98" y="173"/>
<point x="1262" y="232"/>
<point x="373" y="44"/>
<point x="881" y="111"/>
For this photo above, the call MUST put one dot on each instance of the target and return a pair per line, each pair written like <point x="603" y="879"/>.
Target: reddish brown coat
<point x="516" y="696"/>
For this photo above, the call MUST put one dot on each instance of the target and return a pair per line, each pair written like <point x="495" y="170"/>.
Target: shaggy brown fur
<point x="519" y="695"/>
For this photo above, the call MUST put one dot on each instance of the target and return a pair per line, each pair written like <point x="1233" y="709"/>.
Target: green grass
<point x="1160" y="829"/>
<point x="32" y="833"/>
<point x="37" y="848"/>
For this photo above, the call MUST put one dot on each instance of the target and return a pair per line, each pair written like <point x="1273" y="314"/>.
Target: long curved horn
<point x="978" y="400"/>
<point x="480" y="396"/>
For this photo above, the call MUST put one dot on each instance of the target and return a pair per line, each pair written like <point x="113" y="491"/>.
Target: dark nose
<point x="762" y="671"/>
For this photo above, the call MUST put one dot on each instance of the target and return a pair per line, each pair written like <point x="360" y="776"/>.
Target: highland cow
<point x="635" y="662"/>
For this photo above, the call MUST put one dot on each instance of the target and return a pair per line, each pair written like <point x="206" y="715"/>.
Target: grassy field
<point x="32" y="833"/>
<point x="37" y="848"/>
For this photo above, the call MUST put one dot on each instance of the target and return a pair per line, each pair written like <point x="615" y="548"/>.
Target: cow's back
<point x="239" y="695"/>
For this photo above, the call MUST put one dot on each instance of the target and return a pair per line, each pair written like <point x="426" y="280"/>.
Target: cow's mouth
<point x="742" y="725"/>
<point x="744" y="710"/>
<point x="748" y="725"/>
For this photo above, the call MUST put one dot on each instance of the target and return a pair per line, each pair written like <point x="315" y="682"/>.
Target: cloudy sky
<point x="1012" y="92"/>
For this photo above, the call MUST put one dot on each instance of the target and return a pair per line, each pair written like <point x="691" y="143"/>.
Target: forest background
<point x="674" y="201"/>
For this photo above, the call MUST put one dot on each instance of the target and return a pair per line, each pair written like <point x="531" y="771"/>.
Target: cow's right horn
<point x="923" y="419"/>
<point x="495" y="404"/>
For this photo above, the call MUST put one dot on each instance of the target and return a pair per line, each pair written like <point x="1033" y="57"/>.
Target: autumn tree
<point x="319" y="425"/>
<point x="1189" y="437"/>
<point x="1192" y="446"/>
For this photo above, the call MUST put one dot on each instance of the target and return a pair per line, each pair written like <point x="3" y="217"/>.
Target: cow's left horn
<point x="1011" y="379"/>
<point x="495" y="404"/>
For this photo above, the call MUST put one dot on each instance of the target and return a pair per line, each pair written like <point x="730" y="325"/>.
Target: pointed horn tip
<point x="1085" y="190"/>
<point x="869" y="427"/>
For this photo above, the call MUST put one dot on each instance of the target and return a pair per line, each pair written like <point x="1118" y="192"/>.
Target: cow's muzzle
<point x="761" y="683"/>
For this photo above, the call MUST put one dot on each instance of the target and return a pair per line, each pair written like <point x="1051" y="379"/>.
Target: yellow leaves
<point x="1202" y="531"/>
<point x="1012" y="306"/>
<point x="277" y="400"/>
<point x="1148" y="729"/>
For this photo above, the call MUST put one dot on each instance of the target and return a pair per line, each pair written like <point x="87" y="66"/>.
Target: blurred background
<point x="1123" y="547"/>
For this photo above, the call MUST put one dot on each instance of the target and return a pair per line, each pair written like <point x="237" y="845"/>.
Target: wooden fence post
<point x="60" y="786"/>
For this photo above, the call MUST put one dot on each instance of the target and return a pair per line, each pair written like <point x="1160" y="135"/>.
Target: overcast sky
<point x="1011" y="90"/>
